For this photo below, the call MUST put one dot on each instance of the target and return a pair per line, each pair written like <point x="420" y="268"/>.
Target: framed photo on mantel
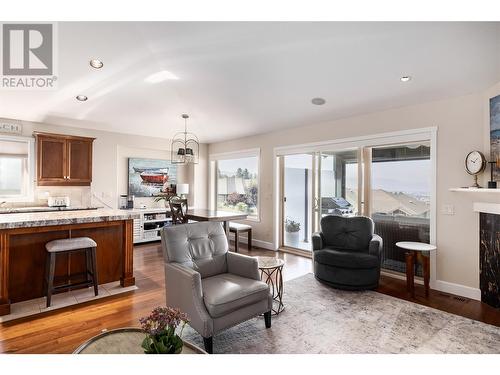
<point x="495" y="135"/>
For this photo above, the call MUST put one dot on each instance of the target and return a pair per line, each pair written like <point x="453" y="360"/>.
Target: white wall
<point x="109" y="172"/>
<point x="462" y="124"/>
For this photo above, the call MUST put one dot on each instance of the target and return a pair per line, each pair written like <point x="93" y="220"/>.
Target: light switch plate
<point x="448" y="209"/>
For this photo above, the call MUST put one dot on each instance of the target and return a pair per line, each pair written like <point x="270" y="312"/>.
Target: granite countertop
<point x="41" y="219"/>
<point x="15" y="210"/>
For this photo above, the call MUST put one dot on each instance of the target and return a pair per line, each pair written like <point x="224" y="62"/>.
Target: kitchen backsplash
<point x="80" y="196"/>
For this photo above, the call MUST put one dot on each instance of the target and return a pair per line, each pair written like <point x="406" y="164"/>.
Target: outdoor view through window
<point x="400" y="197"/>
<point x="14" y="174"/>
<point x="237" y="185"/>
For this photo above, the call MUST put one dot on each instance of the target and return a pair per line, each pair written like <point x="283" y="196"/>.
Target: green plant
<point x="292" y="226"/>
<point x="243" y="207"/>
<point x="164" y="197"/>
<point x="160" y="328"/>
<point x="165" y="343"/>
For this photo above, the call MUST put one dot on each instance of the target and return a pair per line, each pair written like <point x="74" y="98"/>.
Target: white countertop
<point x="40" y="219"/>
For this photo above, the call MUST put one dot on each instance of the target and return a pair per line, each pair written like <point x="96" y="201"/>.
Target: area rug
<point x="320" y="319"/>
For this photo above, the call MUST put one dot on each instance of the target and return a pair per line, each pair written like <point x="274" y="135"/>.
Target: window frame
<point x="213" y="167"/>
<point x="30" y="193"/>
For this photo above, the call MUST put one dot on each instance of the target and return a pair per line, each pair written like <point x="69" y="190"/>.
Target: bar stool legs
<point x="94" y="269"/>
<point x="90" y="273"/>
<point x="50" y="276"/>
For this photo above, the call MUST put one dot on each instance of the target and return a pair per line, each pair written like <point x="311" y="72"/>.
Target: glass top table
<point x="124" y="341"/>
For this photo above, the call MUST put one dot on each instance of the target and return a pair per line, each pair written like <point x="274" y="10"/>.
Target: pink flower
<point x="162" y="319"/>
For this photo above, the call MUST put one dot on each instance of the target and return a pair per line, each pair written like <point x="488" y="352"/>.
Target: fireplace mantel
<point x="488" y="208"/>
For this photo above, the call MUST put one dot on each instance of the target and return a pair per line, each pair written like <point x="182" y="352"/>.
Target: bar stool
<point x="237" y="228"/>
<point x="66" y="246"/>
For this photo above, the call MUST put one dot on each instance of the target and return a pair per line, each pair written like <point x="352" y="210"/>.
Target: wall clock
<point x="475" y="163"/>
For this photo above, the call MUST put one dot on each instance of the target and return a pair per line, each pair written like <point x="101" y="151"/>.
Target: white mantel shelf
<point x="489" y="208"/>
<point x="475" y="190"/>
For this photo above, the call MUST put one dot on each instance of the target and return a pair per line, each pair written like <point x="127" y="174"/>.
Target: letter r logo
<point x="27" y="49"/>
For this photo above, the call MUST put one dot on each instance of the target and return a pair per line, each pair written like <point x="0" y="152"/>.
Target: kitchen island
<point x="22" y="250"/>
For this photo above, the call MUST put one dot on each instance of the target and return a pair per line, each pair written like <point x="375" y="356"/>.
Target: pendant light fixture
<point x="185" y="147"/>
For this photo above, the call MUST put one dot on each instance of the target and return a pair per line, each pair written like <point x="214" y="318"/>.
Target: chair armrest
<point x="184" y="290"/>
<point x="375" y="247"/>
<point x="317" y="240"/>
<point x="243" y="265"/>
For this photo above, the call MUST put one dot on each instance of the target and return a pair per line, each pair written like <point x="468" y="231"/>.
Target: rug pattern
<point x="320" y="319"/>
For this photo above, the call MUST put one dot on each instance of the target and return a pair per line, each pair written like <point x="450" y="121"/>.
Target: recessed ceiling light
<point x="81" y="98"/>
<point x="97" y="64"/>
<point x="318" y="101"/>
<point x="160" y="76"/>
<point x="405" y="79"/>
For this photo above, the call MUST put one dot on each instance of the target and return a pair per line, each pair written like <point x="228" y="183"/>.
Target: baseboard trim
<point x="457" y="289"/>
<point x="257" y="243"/>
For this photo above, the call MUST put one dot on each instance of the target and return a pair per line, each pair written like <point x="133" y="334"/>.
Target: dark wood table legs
<point x="411" y="259"/>
<point x="427" y="272"/>
<point x="410" y="273"/>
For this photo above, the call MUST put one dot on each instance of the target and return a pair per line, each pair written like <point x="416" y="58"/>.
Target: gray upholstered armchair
<point x="346" y="253"/>
<point x="215" y="288"/>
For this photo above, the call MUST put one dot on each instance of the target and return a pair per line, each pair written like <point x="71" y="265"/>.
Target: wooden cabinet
<point x="63" y="160"/>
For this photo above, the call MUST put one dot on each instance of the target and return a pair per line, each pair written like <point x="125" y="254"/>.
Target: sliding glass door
<point x="400" y="198"/>
<point x="390" y="181"/>
<point x="316" y="184"/>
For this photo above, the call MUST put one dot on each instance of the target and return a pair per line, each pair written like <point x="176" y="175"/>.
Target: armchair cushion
<point x="353" y="233"/>
<point x="346" y="259"/>
<point x="225" y="293"/>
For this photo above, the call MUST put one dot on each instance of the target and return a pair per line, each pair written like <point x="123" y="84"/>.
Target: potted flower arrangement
<point x="292" y="229"/>
<point x="160" y="327"/>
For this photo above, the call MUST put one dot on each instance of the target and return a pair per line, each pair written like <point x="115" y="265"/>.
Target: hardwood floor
<point x="64" y="330"/>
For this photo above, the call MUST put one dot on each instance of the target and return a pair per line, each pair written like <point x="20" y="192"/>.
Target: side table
<point x="272" y="268"/>
<point x="415" y="250"/>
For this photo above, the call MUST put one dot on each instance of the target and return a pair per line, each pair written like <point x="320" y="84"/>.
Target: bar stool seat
<point x="67" y="246"/>
<point x="70" y="244"/>
<point x="238" y="228"/>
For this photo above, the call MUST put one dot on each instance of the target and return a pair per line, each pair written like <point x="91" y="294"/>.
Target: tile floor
<point x="74" y="297"/>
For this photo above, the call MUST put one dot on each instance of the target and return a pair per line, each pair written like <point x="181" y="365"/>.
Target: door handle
<point x="316" y="203"/>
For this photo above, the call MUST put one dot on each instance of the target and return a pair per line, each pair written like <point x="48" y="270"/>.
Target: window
<point x="16" y="169"/>
<point x="237" y="183"/>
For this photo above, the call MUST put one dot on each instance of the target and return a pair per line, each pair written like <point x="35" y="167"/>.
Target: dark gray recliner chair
<point x="346" y="253"/>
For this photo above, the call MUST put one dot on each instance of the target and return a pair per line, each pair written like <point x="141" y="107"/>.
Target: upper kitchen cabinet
<point x="63" y="160"/>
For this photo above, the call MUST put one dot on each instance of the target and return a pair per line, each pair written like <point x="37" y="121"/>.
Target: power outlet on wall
<point x="448" y="209"/>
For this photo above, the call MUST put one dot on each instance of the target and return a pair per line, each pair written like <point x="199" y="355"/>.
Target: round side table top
<point x="124" y="341"/>
<point x="416" y="246"/>
<point x="270" y="262"/>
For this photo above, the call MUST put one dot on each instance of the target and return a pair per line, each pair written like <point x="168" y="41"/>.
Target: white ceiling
<point x="238" y="79"/>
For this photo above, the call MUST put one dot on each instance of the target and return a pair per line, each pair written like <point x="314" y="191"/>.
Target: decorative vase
<point x="292" y="238"/>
